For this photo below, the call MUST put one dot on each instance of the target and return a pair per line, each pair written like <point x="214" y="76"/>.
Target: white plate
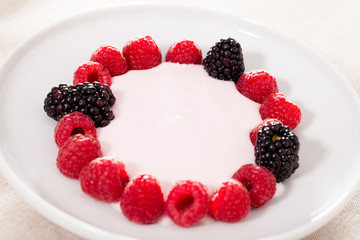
<point x="329" y="131"/>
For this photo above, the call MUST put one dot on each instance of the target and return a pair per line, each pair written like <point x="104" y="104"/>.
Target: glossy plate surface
<point x="329" y="132"/>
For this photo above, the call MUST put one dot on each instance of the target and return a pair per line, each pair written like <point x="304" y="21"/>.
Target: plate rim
<point x="74" y="225"/>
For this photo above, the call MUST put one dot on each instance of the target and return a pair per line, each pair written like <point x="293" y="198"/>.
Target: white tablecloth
<point x="330" y="27"/>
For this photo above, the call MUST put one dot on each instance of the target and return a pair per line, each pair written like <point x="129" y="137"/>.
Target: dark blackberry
<point x="225" y="60"/>
<point x="91" y="99"/>
<point x="277" y="149"/>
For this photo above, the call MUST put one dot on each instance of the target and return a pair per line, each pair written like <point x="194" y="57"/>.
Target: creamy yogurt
<point x="175" y="122"/>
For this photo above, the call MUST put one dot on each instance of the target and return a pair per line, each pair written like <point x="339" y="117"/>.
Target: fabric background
<point x="329" y="27"/>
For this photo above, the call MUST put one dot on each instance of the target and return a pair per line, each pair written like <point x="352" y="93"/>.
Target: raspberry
<point x="257" y="85"/>
<point x="76" y="153"/>
<point x="277" y="149"/>
<point x="111" y="58"/>
<point x="184" y="52"/>
<point x="231" y="202"/>
<point x="188" y="201"/>
<point x="72" y="124"/>
<point x="142" y="200"/>
<point x="92" y="72"/>
<point x="276" y="106"/>
<point x="104" y="179"/>
<point x="255" y="130"/>
<point x="225" y="60"/>
<point x="142" y="53"/>
<point x="259" y="181"/>
<point x="91" y="99"/>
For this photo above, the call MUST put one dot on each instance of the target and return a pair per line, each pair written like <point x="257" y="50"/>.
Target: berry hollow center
<point x="247" y="183"/>
<point x="92" y="77"/>
<point x="77" y="130"/>
<point x="184" y="202"/>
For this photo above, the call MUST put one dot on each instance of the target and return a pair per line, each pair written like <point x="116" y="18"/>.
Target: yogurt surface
<point x="175" y="122"/>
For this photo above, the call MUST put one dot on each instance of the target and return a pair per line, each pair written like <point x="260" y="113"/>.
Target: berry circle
<point x="189" y="201"/>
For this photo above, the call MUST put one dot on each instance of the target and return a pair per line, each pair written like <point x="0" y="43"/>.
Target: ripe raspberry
<point x="276" y="106"/>
<point x="91" y="72"/>
<point x="231" y="202"/>
<point x="111" y="58"/>
<point x="72" y="124"/>
<point x="254" y="131"/>
<point x="184" y="52"/>
<point x="104" y="179"/>
<point x="188" y="201"/>
<point x="76" y="153"/>
<point x="142" y="53"/>
<point x="142" y="200"/>
<point x="259" y="181"/>
<point x="257" y="85"/>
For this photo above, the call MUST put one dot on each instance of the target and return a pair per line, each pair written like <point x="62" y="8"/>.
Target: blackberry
<point x="91" y="99"/>
<point x="277" y="149"/>
<point x="225" y="60"/>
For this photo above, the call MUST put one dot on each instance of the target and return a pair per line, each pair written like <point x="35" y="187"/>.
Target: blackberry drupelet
<point x="225" y="60"/>
<point x="277" y="149"/>
<point x="91" y="99"/>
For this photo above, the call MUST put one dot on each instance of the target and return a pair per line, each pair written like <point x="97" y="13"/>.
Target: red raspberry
<point x="188" y="201"/>
<point x="259" y="181"/>
<point x="142" y="200"/>
<point x="255" y="130"/>
<point x="276" y="106"/>
<point x="142" y="53"/>
<point x="91" y="72"/>
<point x="231" y="202"/>
<point x="184" y="52"/>
<point x="76" y="153"/>
<point x="111" y="58"/>
<point x="71" y="124"/>
<point x="104" y="179"/>
<point x="257" y="86"/>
